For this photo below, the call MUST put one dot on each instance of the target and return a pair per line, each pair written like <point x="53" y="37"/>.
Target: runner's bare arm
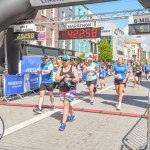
<point x="75" y="72"/>
<point x="84" y="69"/>
<point x="58" y="77"/>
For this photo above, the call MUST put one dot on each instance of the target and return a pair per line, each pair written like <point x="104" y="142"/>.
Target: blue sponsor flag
<point x="14" y="84"/>
<point x="30" y="64"/>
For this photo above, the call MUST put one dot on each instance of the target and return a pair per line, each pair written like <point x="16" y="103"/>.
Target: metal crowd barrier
<point x="148" y="123"/>
<point x="1" y="86"/>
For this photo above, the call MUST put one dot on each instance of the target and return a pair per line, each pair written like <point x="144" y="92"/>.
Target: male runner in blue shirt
<point x="47" y="83"/>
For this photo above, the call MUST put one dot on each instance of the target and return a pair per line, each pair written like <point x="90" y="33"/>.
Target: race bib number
<point x="119" y="76"/>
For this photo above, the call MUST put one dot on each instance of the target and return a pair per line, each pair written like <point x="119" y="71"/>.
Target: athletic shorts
<point x="47" y="86"/>
<point x="146" y="72"/>
<point x="102" y="78"/>
<point x="94" y="82"/>
<point x="117" y="82"/>
<point x="138" y="75"/>
<point x="68" y="96"/>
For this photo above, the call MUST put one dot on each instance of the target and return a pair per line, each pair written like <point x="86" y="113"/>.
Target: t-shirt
<point x="47" y="78"/>
<point x="120" y="70"/>
<point x="147" y="67"/>
<point x="91" y="75"/>
<point x="102" y="73"/>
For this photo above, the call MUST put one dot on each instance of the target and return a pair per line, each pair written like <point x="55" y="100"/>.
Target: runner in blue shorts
<point x="67" y="75"/>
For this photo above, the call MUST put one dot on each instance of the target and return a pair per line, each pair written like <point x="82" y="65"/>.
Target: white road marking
<point x="41" y="116"/>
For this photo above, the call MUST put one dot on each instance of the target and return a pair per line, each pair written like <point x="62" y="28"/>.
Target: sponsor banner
<point x="26" y="83"/>
<point x="24" y="28"/>
<point x="139" y="19"/>
<point x="80" y="25"/>
<point x="30" y="64"/>
<point x="35" y="81"/>
<point x="14" y="84"/>
<point x="41" y="35"/>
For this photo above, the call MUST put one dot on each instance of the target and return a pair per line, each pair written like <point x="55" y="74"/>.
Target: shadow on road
<point x="136" y="138"/>
<point x="139" y="101"/>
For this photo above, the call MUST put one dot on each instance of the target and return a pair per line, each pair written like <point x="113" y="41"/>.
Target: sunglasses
<point x="64" y="60"/>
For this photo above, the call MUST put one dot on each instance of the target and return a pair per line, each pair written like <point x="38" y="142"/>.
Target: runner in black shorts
<point x="138" y="74"/>
<point x="47" y="83"/>
<point x="120" y="72"/>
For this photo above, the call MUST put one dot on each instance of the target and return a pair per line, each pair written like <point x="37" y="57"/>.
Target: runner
<point x="91" y="79"/>
<point x="120" y="73"/>
<point x="67" y="75"/>
<point x="125" y="85"/>
<point x="47" y="83"/>
<point x="102" y="77"/>
<point x="147" y="70"/>
<point x="98" y="64"/>
<point x="138" y="74"/>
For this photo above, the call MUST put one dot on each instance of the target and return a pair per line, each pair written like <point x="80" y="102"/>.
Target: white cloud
<point x="144" y="39"/>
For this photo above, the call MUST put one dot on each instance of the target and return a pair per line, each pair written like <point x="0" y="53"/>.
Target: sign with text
<point x="25" y="35"/>
<point x="58" y="3"/>
<point x="41" y="35"/>
<point x="135" y="29"/>
<point x="24" y="28"/>
<point x="82" y="33"/>
<point x="80" y="25"/>
<point x="139" y="19"/>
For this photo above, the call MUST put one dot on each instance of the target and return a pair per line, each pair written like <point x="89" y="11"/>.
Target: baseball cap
<point x="65" y="57"/>
<point x="90" y="58"/>
<point x="45" y="57"/>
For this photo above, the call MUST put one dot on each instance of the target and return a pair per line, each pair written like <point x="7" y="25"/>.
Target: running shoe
<point x="52" y="107"/>
<point x="62" y="127"/>
<point x="92" y="101"/>
<point x="37" y="110"/>
<point x="72" y="118"/>
<point x="118" y="107"/>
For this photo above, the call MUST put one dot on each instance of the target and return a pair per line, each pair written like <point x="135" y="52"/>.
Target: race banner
<point x="34" y="81"/>
<point x="30" y="64"/>
<point x="14" y="84"/>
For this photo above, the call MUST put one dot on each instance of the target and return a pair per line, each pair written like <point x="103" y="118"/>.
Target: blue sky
<point x="116" y="6"/>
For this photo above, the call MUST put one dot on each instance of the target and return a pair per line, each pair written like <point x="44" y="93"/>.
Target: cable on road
<point x="80" y="109"/>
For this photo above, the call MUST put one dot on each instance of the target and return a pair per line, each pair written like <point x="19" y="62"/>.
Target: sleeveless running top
<point x="67" y="86"/>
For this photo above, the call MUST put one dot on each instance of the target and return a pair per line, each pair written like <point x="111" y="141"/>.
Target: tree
<point x="105" y="50"/>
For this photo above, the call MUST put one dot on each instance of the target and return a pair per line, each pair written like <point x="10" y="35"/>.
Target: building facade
<point x="136" y="50"/>
<point x="65" y="14"/>
<point x="115" y="37"/>
<point x="47" y="33"/>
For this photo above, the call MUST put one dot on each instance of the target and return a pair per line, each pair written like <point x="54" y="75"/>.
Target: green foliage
<point x="105" y="51"/>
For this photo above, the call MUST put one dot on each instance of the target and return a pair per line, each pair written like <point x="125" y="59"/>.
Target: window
<point x="70" y="7"/>
<point x="70" y="44"/>
<point x="52" y="13"/>
<point x="43" y="28"/>
<point x="70" y="17"/>
<point x="63" y="44"/>
<point x="52" y="37"/>
<point x="63" y="15"/>
<point x="43" y="12"/>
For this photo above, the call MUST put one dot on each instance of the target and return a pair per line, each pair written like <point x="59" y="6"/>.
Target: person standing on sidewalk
<point x="120" y="73"/>
<point x="67" y="75"/>
<point x="47" y="83"/>
<point x="91" y="79"/>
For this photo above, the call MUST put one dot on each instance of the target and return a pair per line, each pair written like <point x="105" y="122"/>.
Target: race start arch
<point x="63" y="3"/>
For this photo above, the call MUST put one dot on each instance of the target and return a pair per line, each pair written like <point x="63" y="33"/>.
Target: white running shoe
<point x="92" y="101"/>
<point x="118" y="107"/>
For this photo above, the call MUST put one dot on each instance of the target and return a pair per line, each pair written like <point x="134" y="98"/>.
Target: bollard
<point x="148" y="122"/>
